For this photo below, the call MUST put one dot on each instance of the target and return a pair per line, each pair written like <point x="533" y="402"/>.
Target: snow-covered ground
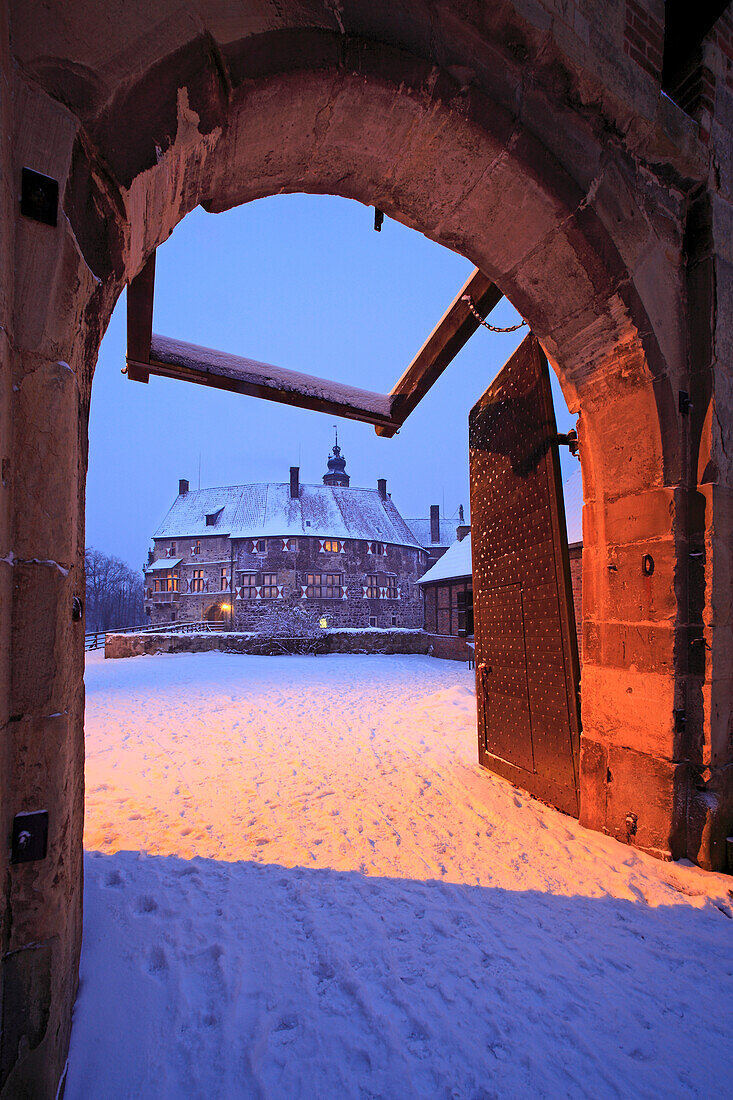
<point x="299" y="883"/>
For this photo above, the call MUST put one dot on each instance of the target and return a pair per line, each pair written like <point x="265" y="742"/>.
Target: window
<point x="376" y="548"/>
<point x="290" y="544"/>
<point x="391" y="588"/>
<point x="171" y="550"/>
<point x="196" y="548"/>
<point x="168" y="582"/>
<point x="372" y="586"/>
<point x="224" y="583"/>
<point x="372" y="620"/>
<point x="268" y="590"/>
<point x="443" y="609"/>
<point x="259" y="546"/>
<point x="332" y="546"/>
<point x="212" y="518"/>
<point x="247" y="586"/>
<point x="431" y="613"/>
<point x="465" y="613"/>
<point x="324" y="586"/>
<point x="197" y="581"/>
<point x="394" y="620"/>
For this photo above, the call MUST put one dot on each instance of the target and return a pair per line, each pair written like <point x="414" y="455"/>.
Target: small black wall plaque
<point x="30" y="836"/>
<point x="39" y="197"/>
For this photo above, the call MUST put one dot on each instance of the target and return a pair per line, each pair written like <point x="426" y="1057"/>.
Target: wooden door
<point x="527" y="669"/>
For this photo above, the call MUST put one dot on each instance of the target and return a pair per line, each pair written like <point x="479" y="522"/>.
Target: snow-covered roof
<point x="162" y="563"/>
<point x="267" y="509"/>
<point x="421" y="530"/>
<point x="455" y="563"/>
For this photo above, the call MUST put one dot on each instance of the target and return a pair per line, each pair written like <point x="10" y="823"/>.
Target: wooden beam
<point x="140" y="321"/>
<point x="175" y="359"/>
<point x="456" y="326"/>
<point x="152" y="354"/>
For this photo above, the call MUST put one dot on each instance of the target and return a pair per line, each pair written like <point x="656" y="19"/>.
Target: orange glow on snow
<point x="273" y="763"/>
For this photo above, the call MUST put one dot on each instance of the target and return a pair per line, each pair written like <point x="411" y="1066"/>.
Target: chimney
<point x="435" y="523"/>
<point x="182" y="487"/>
<point x="462" y="530"/>
<point x="295" y="482"/>
<point x="382" y="486"/>
<point x="460" y="513"/>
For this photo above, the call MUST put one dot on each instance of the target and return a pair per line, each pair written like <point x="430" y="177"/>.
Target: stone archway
<point x="483" y="131"/>
<point x="217" y="613"/>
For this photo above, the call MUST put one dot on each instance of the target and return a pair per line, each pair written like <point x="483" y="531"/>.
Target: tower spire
<point x="336" y="474"/>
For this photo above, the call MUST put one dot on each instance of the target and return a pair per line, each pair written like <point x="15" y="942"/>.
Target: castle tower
<point x="336" y="468"/>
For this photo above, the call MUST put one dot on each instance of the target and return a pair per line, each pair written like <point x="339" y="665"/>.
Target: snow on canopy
<point x="456" y="561"/>
<point x="161" y="564"/>
<point x="267" y="509"/>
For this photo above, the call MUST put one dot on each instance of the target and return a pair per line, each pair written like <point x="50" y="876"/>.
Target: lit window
<point x="248" y="586"/>
<point x="269" y="586"/>
<point x="324" y="586"/>
<point x="196" y="548"/>
<point x="372" y="586"/>
<point x="197" y="581"/>
<point x="224" y="584"/>
<point x="331" y="546"/>
<point x="168" y="582"/>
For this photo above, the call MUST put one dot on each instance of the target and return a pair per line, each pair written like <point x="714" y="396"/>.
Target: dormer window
<point x="212" y="518"/>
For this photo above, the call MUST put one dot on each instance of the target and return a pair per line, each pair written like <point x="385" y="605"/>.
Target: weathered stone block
<point x="634" y="709"/>
<point x="634" y="797"/>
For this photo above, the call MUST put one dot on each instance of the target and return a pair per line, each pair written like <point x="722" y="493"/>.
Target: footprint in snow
<point x="146" y="904"/>
<point x="157" y="962"/>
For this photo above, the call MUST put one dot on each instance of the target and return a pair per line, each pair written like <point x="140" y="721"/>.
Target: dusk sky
<point x="302" y="282"/>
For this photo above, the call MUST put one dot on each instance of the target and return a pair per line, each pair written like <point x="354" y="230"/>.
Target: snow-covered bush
<point x="289" y="629"/>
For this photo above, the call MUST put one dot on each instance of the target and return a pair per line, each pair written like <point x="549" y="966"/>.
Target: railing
<point x="93" y="639"/>
<point x="199" y="626"/>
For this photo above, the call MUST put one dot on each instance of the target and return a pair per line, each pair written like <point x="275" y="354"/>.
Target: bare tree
<point x="114" y="592"/>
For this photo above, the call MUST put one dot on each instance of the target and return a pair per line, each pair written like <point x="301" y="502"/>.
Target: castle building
<point x="231" y="554"/>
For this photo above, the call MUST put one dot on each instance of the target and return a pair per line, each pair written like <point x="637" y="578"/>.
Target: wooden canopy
<point x="149" y="353"/>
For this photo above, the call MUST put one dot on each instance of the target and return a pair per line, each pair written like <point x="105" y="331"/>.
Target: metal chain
<point x="479" y="318"/>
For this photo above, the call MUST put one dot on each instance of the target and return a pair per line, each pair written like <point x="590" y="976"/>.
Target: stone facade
<point x="593" y="188"/>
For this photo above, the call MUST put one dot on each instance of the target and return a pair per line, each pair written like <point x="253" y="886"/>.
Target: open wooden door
<point x="527" y="669"/>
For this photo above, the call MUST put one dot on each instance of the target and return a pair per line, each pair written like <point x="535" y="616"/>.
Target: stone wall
<point x="449" y="648"/>
<point x="332" y="641"/>
<point x="291" y="567"/>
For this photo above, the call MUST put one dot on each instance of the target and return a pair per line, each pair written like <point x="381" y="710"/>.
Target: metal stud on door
<point x="527" y="669"/>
